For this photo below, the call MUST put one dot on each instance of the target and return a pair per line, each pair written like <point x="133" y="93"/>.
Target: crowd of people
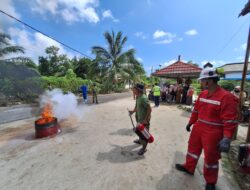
<point x="172" y="93"/>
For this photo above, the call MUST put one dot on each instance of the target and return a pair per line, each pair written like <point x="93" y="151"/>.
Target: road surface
<point x="96" y="152"/>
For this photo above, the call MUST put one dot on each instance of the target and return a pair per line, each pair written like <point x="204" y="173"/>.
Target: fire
<point x="47" y="114"/>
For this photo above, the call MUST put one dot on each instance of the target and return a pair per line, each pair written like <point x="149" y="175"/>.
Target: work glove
<point x="188" y="127"/>
<point x="224" y="145"/>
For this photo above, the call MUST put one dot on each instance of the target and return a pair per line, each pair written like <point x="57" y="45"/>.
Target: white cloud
<point x="215" y="63"/>
<point x="8" y="7"/>
<point x="140" y="35"/>
<point x="139" y="59"/>
<point x="240" y="58"/>
<point x="244" y="46"/>
<point x="108" y="14"/>
<point x="129" y="47"/>
<point x="169" y="62"/>
<point x="166" y="37"/>
<point x="69" y="16"/>
<point x="42" y="7"/>
<point x="34" y="43"/>
<point x="192" y="32"/>
<point x="159" y="34"/>
<point x="166" y="41"/>
<point x="69" y="10"/>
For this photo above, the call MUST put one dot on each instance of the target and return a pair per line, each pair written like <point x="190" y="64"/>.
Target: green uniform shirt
<point x="142" y="104"/>
<point x="94" y="89"/>
<point x="157" y="91"/>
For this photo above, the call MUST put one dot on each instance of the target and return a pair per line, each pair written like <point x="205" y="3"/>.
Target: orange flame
<point x="47" y="114"/>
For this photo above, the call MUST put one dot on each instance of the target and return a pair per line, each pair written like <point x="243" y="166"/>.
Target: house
<point x="179" y="69"/>
<point x="233" y="71"/>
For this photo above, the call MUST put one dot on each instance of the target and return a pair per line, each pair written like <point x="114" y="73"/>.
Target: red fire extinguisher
<point x="145" y="133"/>
<point x="142" y="131"/>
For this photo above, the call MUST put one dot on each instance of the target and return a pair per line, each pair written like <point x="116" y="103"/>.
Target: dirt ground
<point x="96" y="152"/>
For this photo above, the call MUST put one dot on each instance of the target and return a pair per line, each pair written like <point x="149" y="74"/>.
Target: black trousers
<point x="157" y="100"/>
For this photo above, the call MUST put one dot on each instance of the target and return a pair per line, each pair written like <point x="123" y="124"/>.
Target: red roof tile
<point x="177" y="69"/>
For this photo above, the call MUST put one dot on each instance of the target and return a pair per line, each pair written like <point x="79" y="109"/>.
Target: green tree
<point x="54" y="64"/>
<point x="114" y="64"/>
<point x="81" y="67"/>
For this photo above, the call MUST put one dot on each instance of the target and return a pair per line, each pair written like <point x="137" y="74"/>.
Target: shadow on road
<point x="177" y="180"/>
<point x="119" y="154"/>
<point x="185" y="114"/>
<point x="123" y="132"/>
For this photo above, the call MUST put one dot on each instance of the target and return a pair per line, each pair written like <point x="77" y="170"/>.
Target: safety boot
<point x="210" y="186"/>
<point x="137" y="141"/>
<point x="142" y="151"/>
<point x="181" y="168"/>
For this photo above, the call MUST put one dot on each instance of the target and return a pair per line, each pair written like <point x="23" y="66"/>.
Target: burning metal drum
<point x="47" y="127"/>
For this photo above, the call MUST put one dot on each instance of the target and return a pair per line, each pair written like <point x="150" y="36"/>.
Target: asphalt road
<point x="25" y="111"/>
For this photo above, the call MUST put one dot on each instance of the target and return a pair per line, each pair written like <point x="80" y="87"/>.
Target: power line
<point x="73" y="49"/>
<point x="232" y="37"/>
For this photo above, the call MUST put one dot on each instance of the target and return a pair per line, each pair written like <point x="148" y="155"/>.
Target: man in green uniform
<point x="157" y="93"/>
<point x="94" y="92"/>
<point x="142" y="112"/>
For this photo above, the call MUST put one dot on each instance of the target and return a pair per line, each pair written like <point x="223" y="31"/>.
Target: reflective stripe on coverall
<point x="213" y="118"/>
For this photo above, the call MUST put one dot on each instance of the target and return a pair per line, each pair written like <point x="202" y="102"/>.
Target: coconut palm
<point x="115" y="63"/>
<point x="6" y="48"/>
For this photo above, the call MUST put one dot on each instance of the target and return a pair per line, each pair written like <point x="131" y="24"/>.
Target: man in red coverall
<point x="214" y="120"/>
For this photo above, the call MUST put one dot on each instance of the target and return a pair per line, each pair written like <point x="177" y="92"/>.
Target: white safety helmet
<point x="208" y="73"/>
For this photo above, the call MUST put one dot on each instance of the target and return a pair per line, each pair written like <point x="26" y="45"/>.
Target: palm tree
<point x="6" y="48"/>
<point x="114" y="63"/>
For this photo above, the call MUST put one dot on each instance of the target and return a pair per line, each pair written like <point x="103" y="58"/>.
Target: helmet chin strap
<point x="206" y="84"/>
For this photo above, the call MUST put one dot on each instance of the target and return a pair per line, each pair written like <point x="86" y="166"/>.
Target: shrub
<point x="228" y="84"/>
<point x="18" y="83"/>
<point x="65" y="83"/>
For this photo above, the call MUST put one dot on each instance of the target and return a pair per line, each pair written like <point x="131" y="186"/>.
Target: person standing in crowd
<point x="236" y="92"/>
<point x="157" y="93"/>
<point x="50" y="87"/>
<point x="84" y="89"/>
<point x="214" y="120"/>
<point x="190" y="94"/>
<point x="94" y="93"/>
<point x="142" y="112"/>
<point x="184" y="94"/>
<point x="178" y="93"/>
<point x="168" y="94"/>
<point x="173" y="92"/>
<point x="164" y="90"/>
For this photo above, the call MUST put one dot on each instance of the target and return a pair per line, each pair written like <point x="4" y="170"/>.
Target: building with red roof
<point x="179" y="69"/>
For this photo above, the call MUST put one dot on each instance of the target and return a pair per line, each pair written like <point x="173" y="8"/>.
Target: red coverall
<point x="213" y="118"/>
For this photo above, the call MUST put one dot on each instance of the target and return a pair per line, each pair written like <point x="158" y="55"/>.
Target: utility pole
<point x="246" y="63"/>
<point x="244" y="12"/>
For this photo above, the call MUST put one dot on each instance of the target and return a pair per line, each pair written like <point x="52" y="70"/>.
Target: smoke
<point x="64" y="105"/>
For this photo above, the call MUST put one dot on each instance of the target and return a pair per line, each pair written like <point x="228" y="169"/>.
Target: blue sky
<point x="159" y="30"/>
